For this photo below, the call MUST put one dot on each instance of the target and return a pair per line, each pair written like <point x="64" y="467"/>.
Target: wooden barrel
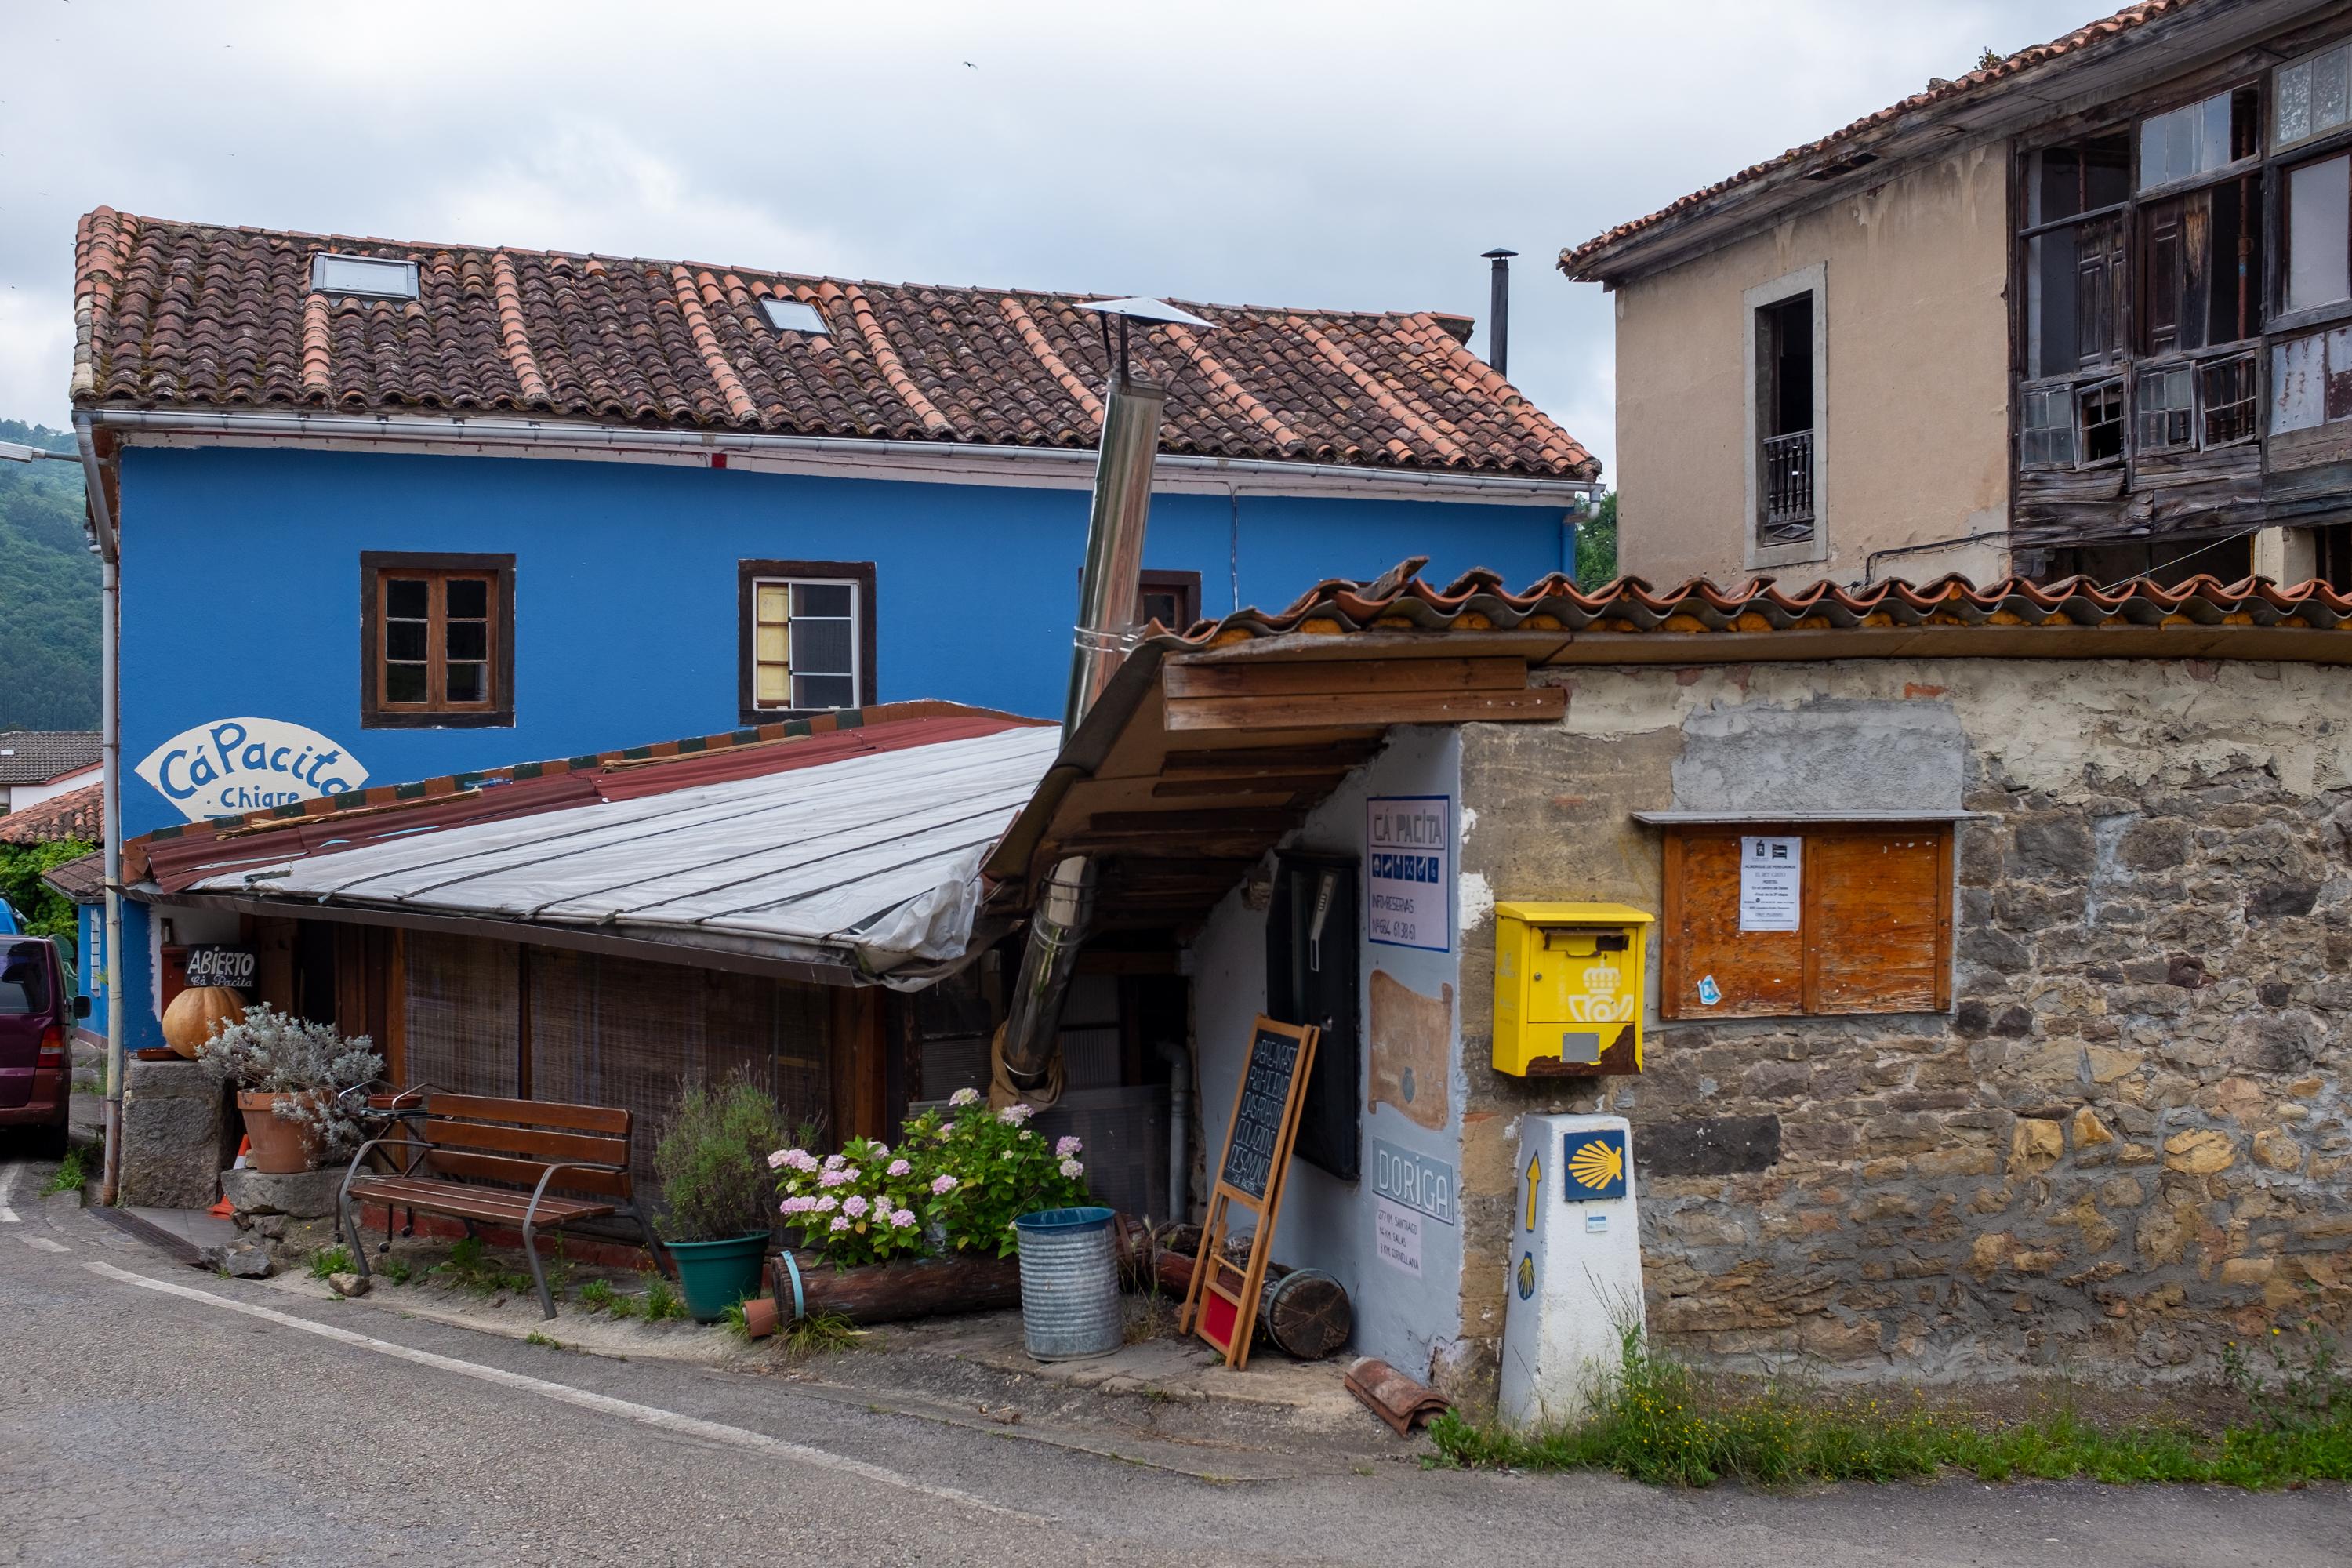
<point x="1305" y="1312"/>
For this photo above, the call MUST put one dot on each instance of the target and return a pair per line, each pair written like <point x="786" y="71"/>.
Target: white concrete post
<point x="1575" y="1281"/>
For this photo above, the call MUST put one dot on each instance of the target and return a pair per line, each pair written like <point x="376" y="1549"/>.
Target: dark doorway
<point x="1313" y="975"/>
<point x="314" y="972"/>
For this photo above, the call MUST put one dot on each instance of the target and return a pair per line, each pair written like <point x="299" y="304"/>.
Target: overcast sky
<point x="1357" y="154"/>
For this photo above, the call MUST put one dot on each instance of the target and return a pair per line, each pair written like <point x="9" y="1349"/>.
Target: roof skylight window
<point x="370" y="276"/>
<point x="790" y="315"/>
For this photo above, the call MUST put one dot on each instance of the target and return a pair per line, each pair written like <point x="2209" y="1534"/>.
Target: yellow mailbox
<point x="1568" y="988"/>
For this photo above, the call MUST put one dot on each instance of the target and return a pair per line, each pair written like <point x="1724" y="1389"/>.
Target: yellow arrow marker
<point x="1534" y="1187"/>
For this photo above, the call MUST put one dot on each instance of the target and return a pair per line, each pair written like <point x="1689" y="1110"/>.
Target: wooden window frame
<point x="1673" y="951"/>
<point x="748" y="576"/>
<point x="1185" y="585"/>
<point x="497" y="712"/>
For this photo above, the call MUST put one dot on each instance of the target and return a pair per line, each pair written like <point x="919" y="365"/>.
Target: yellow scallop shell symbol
<point x="1597" y="1164"/>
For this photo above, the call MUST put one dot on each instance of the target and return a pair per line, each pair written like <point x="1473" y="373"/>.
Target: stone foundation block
<point x="173" y="1126"/>
<point x="306" y="1194"/>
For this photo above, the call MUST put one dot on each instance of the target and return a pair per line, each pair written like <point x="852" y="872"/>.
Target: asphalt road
<point x="152" y="1415"/>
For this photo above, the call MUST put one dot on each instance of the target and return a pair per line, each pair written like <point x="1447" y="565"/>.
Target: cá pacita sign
<point x="231" y="766"/>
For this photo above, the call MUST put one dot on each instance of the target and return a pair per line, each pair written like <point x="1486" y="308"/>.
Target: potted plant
<point x="714" y="1172"/>
<point x="288" y="1073"/>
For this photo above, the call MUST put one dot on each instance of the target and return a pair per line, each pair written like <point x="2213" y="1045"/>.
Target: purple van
<point x="35" y="1028"/>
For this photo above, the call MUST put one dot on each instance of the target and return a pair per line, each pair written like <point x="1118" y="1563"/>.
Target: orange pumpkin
<point x="197" y="1012"/>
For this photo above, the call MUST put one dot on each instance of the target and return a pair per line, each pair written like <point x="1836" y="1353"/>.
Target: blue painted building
<point x="388" y="513"/>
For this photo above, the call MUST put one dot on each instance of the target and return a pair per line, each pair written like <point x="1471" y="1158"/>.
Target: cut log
<point x="1304" y="1312"/>
<point x="889" y="1292"/>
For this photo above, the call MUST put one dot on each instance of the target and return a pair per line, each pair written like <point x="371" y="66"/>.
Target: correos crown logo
<point x="235" y="765"/>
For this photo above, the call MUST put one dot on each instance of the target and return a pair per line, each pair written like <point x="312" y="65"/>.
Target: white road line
<point x="44" y="1244"/>
<point x="7" y="1185"/>
<point x="564" y="1392"/>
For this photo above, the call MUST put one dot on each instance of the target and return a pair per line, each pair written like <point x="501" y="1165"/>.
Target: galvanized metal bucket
<point x="1069" y="1284"/>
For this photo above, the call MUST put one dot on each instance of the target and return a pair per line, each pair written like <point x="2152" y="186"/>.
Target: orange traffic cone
<point x="222" y="1210"/>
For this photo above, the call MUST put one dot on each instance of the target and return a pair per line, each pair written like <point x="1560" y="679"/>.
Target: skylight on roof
<point x="373" y="277"/>
<point x="789" y="315"/>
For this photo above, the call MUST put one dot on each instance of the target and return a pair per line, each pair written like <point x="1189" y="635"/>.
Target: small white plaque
<point x="1396" y="1231"/>
<point x="1771" y="883"/>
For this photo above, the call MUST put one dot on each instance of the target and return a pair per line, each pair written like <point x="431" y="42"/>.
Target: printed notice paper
<point x="1772" y="888"/>
<point x="1396" y="1232"/>
<point x="1408" y="871"/>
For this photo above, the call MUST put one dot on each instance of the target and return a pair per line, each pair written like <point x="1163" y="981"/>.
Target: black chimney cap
<point x="1495" y="254"/>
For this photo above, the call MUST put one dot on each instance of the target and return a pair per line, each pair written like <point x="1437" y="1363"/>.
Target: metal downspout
<point x="110" y="556"/>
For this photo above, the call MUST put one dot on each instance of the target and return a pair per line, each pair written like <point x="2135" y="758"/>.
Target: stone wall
<point x="2129" y="1140"/>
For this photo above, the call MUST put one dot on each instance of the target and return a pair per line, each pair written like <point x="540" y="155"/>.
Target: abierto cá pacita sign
<point x="231" y="766"/>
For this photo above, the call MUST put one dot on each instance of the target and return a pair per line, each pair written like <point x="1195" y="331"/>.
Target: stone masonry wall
<point x="2130" y="1140"/>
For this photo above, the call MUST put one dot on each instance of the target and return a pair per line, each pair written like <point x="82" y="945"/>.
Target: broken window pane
<point x="2311" y="381"/>
<point x="2318" y="235"/>
<point x="2200" y="260"/>
<point x="2080" y="178"/>
<point x="2167" y="409"/>
<point x="2102" y="422"/>
<point x="2229" y="394"/>
<point x="2046" y="439"/>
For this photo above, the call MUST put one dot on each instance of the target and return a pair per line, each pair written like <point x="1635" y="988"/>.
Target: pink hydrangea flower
<point x="900" y="1167"/>
<point x="902" y="1219"/>
<point x="826" y="1204"/>
<point x="1014" y="1115"/>
<point x="833" y="1161"/>
<point x="799" y="1205"/>
<point x="854" y="1207"/>
<point x="963" y="1097"/>
<point x="881" y="1149"/>
<point x="1073" y="1170"/>
<point x="836" y="1178"/>
<point x="1067" y="1147"/>
<point x="776" y="1160"/>
<point x="942" y="1185"/>
<point x="947" y="1128"/>
<point x="800" y="1160"/>
<point x="839" y="1223"/>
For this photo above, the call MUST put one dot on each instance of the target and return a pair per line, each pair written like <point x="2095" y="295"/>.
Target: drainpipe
<point x="1179" y="1130"/>
<point x="1499" y="310"/>
<point x="109" y="557"/>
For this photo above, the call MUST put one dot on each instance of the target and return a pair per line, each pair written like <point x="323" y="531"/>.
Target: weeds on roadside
<point x="1655" y="1419"/>
<point x="549" y="1341"/>
<point x="661" y="1299"/>
<point x="737" y="1323"/>
<point x="599" y="1297"/>
<point x="821" y="1335"/>
<point x="469" y="1267"/>
<point x="69" y="1177"/>
<point x="328" y="1260"/>
<point x="396" y="1269"/>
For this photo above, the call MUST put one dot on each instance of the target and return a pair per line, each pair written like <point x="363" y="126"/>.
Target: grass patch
<point x="328" y="1260"/>
<point x="396" y="1269"/>
<point x="661" y="1299"/>
<point x="599" y="1297"/>
<point x="470" y="1268"/>
<point x="737" y="1323"/>
<point x="1658" y="1421"/>
<point x="821" y="1335"/>
<point x="70" y="1176"/>
<point x="549" y="1341"/>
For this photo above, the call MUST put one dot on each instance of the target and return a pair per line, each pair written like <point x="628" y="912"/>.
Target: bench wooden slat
<point x="470" y="1201"/>
<point x="524" y="1174"/>
<point x="610" y="1119"/>
<point x="535" y="1141"/>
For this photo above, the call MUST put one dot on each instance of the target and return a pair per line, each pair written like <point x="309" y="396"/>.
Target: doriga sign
<point x="231" y="766"/>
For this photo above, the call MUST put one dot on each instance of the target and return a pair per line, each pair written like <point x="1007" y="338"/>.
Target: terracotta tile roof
<point x="1575" y="260"/>
<point x="77" y="814"/>
<point x="1400" y="601"/>
<point x="179" y="314"/>
<point x="82" y="880"/>
<point x="39" y="756"/>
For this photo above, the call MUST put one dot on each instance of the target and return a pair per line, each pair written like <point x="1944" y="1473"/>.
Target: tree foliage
<point x="49" y="591"/>
<point x="42" y="910"/>
<point x="1596" y="545"/>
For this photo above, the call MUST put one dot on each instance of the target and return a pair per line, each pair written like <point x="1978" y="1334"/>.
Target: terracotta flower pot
<point x="281" y="1147"/>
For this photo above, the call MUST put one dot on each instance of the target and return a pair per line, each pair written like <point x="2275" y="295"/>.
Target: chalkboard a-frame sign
<point x="1221" y="1304"/>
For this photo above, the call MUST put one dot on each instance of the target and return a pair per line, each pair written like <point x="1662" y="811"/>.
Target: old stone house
<point x="2081" y="308"/>
<point x="2044" y="1070"/>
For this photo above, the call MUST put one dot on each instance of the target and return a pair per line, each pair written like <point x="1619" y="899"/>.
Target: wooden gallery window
<point x="436" y="640"/>
<point x="1824" y="917"/>
<point x="806" y="638"/>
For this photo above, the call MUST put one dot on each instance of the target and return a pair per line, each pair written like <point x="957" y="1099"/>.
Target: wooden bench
<point x="523" y="1162"/>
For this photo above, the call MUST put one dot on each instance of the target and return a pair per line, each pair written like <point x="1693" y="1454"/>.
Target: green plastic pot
<point x="715" y="1275"/>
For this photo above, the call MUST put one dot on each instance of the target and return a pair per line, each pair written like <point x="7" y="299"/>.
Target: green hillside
<point x="49" y="591"/>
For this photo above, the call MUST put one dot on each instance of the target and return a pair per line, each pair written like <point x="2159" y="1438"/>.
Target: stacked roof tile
<point x="1479" y="601"/>
<point x="178" y="314"/>
<point x="1575" y="260"/>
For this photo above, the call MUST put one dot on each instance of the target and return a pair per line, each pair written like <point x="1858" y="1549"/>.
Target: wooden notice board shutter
<point x="1876" y="932"/>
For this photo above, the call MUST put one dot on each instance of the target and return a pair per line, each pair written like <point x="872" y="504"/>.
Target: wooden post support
<point x="1222" y="1302"/>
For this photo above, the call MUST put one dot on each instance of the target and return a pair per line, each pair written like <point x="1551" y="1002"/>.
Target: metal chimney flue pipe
<point x="1110" y="593"/>
<point x="1499" y="310"/>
